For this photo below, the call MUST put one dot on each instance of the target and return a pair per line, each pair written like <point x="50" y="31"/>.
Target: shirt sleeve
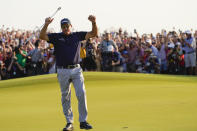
<point x="30" y="53"/>
<point x="114" y="45"/>
<point x="52" y="38"/>
<point x="81" y="35"/>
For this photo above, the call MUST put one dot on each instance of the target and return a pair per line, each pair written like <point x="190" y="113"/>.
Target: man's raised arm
<point x="94" y="31"/>
<point x="43" y="34"/>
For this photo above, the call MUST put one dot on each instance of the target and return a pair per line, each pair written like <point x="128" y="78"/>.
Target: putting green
<point x="116" y="102"/>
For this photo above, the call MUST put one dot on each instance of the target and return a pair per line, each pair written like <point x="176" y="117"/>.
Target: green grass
<point x="116" y="102"/>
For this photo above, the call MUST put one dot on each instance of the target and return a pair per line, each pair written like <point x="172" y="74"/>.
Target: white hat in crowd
<point x="171" y="45"/>
<point x="188" y="32"/>
<point x="148" y="41"/>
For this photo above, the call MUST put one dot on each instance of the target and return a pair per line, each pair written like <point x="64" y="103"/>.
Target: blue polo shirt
<point x="67" y="47"/>
<point x="187" y="48"/>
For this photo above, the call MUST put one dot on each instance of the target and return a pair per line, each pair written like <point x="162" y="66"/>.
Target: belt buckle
<point x="71" y="66"/>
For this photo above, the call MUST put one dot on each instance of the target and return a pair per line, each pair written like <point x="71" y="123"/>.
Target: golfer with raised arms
<point x="67" y="52"/>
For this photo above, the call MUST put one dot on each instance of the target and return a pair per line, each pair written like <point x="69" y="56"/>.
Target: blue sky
<point x="144" y="15"/>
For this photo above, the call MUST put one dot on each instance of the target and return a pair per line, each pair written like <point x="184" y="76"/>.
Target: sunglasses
<point x="65" y="26"/>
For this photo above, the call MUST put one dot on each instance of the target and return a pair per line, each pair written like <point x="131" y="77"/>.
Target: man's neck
<point x="66" y="33"/>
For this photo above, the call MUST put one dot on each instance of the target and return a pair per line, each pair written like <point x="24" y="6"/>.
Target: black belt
<point x="68" y="66"/>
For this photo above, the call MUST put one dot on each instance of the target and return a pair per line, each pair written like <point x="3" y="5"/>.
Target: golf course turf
<point x="116" y="102"/>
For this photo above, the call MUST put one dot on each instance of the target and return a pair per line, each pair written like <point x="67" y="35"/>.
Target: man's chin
<point x="67" y="32"/>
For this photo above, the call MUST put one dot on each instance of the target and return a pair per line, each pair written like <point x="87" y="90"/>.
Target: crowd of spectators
<point x="23" y="54"/>
<point x="166" y="52"/>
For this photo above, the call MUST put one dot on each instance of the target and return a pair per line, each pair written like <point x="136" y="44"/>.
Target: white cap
<point x="188" y="32"/>
<point x="178" y="43"/>
<point x="171" y="45"/>
<point x="149" y="41"/>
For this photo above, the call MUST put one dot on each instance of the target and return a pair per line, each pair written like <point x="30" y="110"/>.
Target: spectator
<point x="190" y="53"/>
<point x="21" y="55"/>
<point x="195" y="36"/>
<point x="106" y="48"/>
<point x="151" y="45"/>
<point x="132" y="53"/>
<point x="90" y="59"/>
<point x="140" y="65"/>
<point x="117" y="62"/>
<point x="173" y="60"/>
<point x="162" y="47"/>
<point x="151" y="62"/>
<point x="36" y="57"/>
<point x="14" y="69"/>
<point x="125" y="59"/>
<point x="82" y="55"/>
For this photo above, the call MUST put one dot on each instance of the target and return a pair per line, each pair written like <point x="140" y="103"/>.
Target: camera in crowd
<point x="153" y="59"/>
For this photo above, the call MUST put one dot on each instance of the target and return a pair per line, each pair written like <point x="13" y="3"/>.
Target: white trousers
<point x="190" y="60"/>
<point x="64" y="77"/>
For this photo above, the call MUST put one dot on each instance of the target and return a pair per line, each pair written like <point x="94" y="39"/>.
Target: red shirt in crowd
<point x="182" y="62"/>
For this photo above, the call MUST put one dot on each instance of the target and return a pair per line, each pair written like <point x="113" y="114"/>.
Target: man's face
<point x="66" y="28"/>
<point x="21" y="48"/>
<point x="24" y="47"/>
<point x="107" y="36"/>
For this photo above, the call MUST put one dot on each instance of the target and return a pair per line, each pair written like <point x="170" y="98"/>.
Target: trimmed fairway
<point x="116" y="102"/>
